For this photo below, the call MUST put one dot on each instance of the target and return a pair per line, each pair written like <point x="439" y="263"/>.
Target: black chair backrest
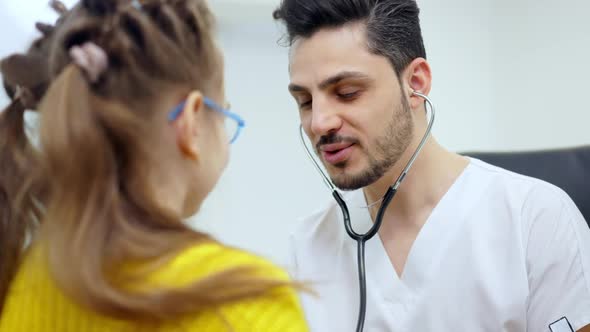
<point x="569" y="169"/>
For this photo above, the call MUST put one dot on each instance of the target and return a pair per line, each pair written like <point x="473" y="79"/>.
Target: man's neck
<point x="432" y="174"/>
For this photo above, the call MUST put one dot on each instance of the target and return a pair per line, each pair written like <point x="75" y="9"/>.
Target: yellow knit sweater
<point x="35" y="304"/>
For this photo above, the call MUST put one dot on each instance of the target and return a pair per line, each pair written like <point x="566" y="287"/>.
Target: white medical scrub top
<point x="500" y="252"/>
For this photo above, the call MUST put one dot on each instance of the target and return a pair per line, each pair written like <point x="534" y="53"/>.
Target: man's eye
<point x="305" y="104"/>
<point x="348" y="95"/>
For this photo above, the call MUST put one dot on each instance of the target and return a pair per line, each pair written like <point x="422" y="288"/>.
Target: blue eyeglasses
<point x="233" y="127"/>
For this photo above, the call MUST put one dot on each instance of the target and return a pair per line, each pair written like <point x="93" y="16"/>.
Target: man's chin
<point x="348" y="186"/>
<point x="346" y="179"/>
<point x="350" y="182"/>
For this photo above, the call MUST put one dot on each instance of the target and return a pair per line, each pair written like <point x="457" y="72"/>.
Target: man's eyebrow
<point x="341" y="76"/>
<point x="330" y="81"/>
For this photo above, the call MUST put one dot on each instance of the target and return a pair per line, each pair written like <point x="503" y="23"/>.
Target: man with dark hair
<point x="464" y="246"/>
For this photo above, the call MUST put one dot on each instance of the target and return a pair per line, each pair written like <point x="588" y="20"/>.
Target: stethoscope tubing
<point x="362" y="238"/>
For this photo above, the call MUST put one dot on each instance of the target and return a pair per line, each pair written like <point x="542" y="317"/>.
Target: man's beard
<point x="389" y="148"/>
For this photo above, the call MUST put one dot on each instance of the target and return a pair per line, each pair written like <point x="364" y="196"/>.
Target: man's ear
<point x="418" y="78"/>
<point x="186" y="126"/>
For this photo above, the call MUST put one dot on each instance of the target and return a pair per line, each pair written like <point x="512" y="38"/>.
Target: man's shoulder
<point x="529" y="196"/>
<point x="516" y="184"/>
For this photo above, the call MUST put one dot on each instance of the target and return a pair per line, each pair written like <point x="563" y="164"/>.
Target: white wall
<point x="542" y="71"/>
<point x="508" y="74"/>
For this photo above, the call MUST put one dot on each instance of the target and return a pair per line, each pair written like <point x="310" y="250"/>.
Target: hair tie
<point x="91" y="58"/>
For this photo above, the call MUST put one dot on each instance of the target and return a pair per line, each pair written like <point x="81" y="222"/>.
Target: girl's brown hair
<point x="87" y="184"/>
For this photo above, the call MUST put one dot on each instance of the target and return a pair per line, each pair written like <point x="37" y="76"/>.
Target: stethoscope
<point x="362" y="238"/>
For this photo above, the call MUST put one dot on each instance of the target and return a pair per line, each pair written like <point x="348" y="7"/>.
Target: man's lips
<point x="335" y="147"/>
<point x="336" y="153"/>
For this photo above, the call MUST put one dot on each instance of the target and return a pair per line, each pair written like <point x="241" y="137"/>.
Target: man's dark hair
<point x="393" y="26"/>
